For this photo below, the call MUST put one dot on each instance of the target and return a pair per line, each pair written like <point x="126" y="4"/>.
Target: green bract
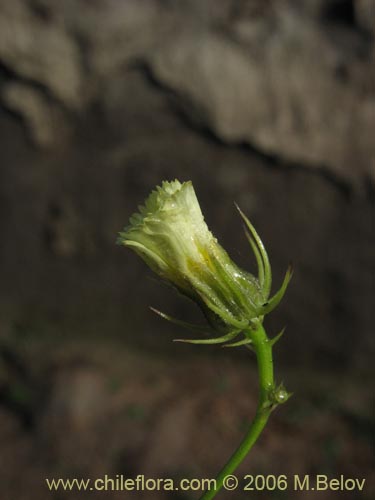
<point x="171" y="236"/>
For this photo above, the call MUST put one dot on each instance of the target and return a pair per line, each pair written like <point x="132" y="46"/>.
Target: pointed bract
<point x="179" y="322"/>
<point x="275" y="300"/>
<point x="217" y="340"/>
<point x="245" y="341"/>
<point x="266" y="263"/>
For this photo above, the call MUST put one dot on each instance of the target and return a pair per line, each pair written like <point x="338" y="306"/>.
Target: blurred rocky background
<point x="269" y="103"/>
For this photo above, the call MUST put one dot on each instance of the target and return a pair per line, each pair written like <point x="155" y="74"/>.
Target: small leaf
<point x="278" y="337"/>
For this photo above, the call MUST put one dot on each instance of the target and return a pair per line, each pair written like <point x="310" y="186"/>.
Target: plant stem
<point x="263" y="351"/>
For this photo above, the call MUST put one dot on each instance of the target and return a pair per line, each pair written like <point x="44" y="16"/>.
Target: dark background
<point x="266" y="103"/>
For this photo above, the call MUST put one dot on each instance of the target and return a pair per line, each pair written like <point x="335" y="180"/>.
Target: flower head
<point x="171" y="236"/>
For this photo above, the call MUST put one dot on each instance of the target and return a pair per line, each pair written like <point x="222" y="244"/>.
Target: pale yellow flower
<point x="171" y="236"/>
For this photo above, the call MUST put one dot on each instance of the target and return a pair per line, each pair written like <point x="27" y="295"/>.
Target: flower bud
<point x="169" y="233"/>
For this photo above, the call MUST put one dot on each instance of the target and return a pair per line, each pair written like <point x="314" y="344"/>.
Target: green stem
<point x="263" y="351"/>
